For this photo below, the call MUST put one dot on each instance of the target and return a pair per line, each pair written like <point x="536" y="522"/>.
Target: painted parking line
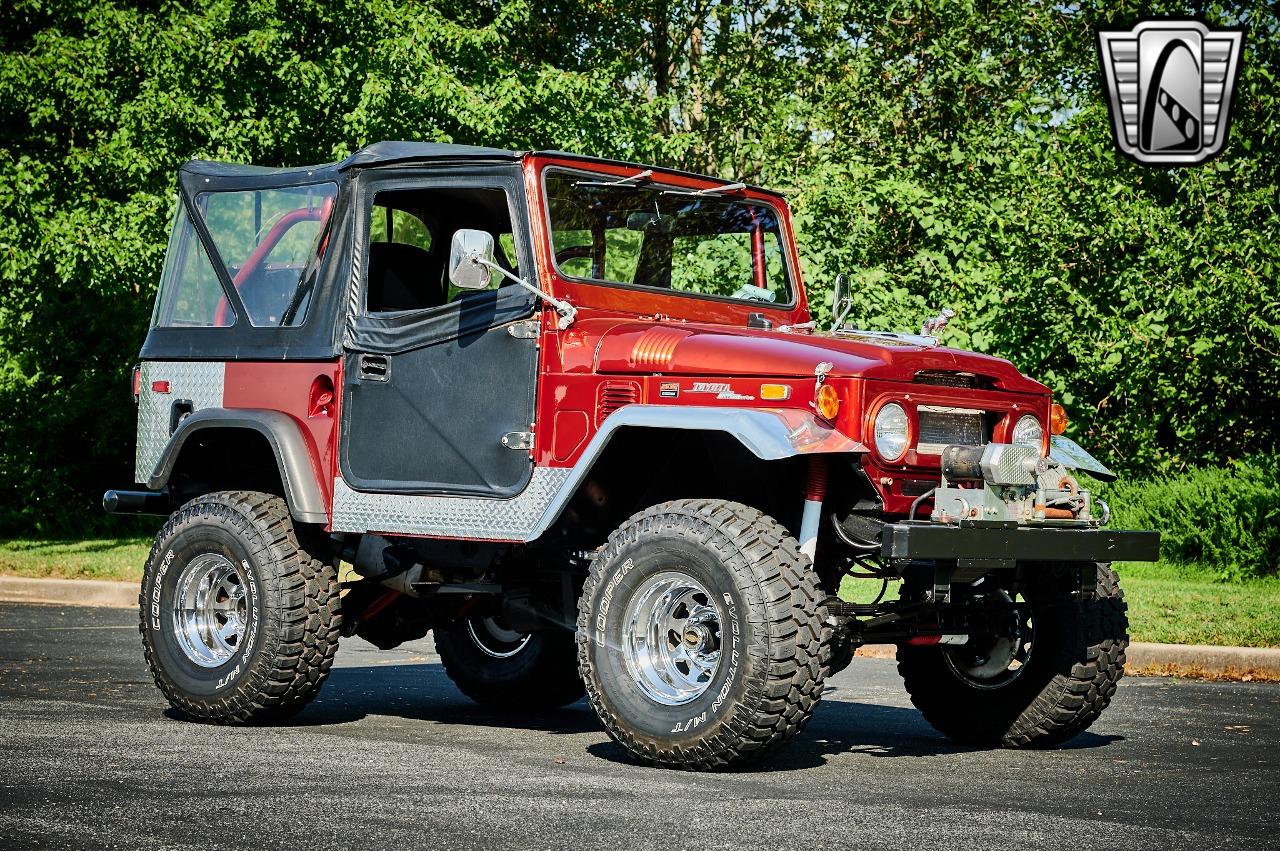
<point x="52" y="628"/>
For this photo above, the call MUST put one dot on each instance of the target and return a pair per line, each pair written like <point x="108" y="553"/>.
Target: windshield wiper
<point x="633" y="180"/>
<point x="710" y="190"/>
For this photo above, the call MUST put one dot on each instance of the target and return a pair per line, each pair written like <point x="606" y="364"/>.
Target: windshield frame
<point x="791" y="267"/>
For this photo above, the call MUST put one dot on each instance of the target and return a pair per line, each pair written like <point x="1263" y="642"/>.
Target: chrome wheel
<point x="210" y="610"/>
<point x="672" y="638"/>
<point x="1000" y="653"/>
<point x="494" y="639"/>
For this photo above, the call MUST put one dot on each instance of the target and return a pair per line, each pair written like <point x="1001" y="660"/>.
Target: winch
<point x="1005" y="482"/>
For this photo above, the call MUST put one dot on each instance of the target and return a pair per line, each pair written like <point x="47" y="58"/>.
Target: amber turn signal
<point x="1057" y="419"/>
<point x="828" y="402"/>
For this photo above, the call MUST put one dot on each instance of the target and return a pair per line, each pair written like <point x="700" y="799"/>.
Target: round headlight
<point x="1028" y="432"/>
<point x="891" y="432"/>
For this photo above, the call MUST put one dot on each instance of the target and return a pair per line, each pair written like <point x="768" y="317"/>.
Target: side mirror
<point x="469" y="252"/>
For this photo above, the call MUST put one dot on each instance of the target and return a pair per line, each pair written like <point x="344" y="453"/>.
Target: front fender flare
<point x="770" y="434"/>
<point x="293" y="458"/>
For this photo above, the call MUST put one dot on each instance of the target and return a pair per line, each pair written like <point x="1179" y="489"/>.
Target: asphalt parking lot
<point x="391" y="756"/>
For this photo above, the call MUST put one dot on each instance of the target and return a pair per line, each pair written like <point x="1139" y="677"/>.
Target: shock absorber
<point x="815" y="491"/>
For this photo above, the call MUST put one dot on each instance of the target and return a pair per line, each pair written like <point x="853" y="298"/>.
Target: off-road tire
<point x="749" y="709"/>
<point x="543" y="674"/>
<point x="293" y="604"/>
<point x="1078" y="657"/>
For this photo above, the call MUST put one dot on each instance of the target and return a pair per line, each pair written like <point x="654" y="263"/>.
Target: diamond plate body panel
<point x="199" y="382"/>
<point x="515" y="519"/>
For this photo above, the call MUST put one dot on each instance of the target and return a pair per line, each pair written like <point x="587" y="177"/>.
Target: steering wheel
<point x="573" y="252"/>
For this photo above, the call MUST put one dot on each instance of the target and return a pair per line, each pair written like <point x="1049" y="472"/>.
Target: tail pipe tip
<point x="136" y="502"/>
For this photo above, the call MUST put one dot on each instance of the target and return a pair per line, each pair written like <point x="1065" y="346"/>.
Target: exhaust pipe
<point x="137" y="502"/>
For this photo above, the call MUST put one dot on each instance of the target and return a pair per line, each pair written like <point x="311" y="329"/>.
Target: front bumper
<point x="1004" y="543"/>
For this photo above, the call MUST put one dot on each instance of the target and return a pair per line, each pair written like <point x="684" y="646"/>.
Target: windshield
<point x="664" y="237"/>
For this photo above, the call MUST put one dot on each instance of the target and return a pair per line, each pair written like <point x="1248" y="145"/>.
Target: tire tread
<point x="295" y="658"/>
<point x="785" y="694"/>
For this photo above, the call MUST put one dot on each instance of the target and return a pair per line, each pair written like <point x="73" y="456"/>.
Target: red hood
<point x="687" y="349"/>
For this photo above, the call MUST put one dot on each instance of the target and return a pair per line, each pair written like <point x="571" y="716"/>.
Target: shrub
<point x="1224" y="518"/>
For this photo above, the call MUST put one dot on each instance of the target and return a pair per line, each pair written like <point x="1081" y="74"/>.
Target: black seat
<point x="403" y="277"/>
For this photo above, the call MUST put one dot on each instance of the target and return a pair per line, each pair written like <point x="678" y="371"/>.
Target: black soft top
<point x="198" y="172"/>
<point x="200" y="175"/>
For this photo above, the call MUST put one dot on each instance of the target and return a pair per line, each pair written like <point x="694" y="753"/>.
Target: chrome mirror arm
<point x="567" y="311"/>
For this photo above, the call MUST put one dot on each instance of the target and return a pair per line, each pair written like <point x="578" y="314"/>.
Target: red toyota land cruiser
<point x="573" y="415"/>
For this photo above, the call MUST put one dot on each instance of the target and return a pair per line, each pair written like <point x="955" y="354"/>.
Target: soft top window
<point x="269" y="239"/>
<point x="190" y="294"/>
<point x="409" y="235"/>
<point x="645" y="234"/>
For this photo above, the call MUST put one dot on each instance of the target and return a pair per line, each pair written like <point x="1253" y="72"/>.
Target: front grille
<point x="941" y="427"/>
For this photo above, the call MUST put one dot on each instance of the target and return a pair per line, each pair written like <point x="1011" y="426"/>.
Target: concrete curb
<point x="1169" y="659"/>
<point x="1196" y="658"/>
<point x="70" y="592"/>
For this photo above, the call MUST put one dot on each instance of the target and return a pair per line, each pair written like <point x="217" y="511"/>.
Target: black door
<point x="435" y="378"/>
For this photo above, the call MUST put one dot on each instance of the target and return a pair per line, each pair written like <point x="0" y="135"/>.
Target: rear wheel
<point x="495" y="665"/>
<point x="1040" y="666"/>
<point x="700" y="635"/>
<point x="239" y="622"/>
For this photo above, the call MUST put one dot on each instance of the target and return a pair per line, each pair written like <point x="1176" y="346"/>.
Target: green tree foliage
<point x="971" y="165"/>
<point x="938" y="152"/>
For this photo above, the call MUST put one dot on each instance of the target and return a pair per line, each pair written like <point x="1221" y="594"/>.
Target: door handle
<point x="374" y="368"/>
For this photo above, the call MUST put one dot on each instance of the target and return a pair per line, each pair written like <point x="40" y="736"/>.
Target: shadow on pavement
<point x="422" y="692"/>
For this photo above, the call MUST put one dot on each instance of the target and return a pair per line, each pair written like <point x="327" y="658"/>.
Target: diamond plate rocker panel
<point x="197" y="382"/>
<point x="515" y="519"/>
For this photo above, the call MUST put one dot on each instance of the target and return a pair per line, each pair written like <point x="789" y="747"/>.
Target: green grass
<point x="1167" y="603"/>
<point x="1186" y="604"/>
<point x="102" y="558"/>
<point x="1173" y="604"/>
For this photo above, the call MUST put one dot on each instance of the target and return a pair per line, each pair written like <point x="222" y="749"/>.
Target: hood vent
<point x="942" y="378"/>
<point x="612" y="395"/>
<point x="655" y="348"/>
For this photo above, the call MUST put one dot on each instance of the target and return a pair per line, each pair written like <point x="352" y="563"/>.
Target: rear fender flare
<point x="293" y="457"/>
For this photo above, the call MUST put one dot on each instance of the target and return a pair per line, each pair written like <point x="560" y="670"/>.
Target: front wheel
<point x="1041" y="664"/>
<point x="700" y="635"/>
